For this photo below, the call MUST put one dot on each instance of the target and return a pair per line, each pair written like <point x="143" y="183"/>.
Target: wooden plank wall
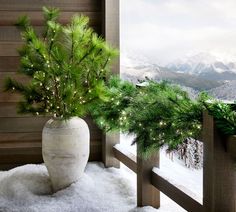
<point x="20" y="135"/>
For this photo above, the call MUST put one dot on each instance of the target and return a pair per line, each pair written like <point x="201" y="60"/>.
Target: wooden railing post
<point x="108" y="157"/>
<point x="111" y="32"/>
<point x="147" y="194"/>
<point x="218" y="170"/>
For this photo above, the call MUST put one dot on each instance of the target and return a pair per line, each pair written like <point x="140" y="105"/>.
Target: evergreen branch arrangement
<point x="66" y="65"/>
<point x="159" y="114"/>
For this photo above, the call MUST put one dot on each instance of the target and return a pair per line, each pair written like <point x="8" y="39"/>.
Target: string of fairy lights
<point x="67" y="66"/>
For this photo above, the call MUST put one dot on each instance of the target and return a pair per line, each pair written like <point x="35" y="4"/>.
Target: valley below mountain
<point x="195" y="74"/>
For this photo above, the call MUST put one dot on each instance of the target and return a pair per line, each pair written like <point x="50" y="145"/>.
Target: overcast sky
<point x="166" y="30"/>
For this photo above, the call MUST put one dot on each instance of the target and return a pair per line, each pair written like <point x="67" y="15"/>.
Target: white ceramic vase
<point x="65" y="149"/>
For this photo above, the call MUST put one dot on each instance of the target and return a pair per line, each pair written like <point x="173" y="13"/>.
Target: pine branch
<point x="50" y="14"/>
<point x="85" y="55"/>
<point x="23" y="22"/>
<point x="13" y="85"/>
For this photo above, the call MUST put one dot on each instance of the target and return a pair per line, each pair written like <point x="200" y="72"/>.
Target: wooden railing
<point x="219" y="175"/>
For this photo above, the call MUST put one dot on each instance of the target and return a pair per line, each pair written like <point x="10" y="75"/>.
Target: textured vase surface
<point x="65" y="148"/>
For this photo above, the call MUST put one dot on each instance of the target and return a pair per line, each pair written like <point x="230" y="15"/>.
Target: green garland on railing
<point x="119" y="96"/>
<point x="159" y="114"/>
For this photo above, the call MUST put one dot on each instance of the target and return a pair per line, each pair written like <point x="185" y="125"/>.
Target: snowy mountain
<point x="205" y="66"/>
<point x="225" y="91"/>
<point x="134" y="69"/>
<point x="194" y="74"/>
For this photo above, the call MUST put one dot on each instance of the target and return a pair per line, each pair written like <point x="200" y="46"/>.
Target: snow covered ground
<point x="27" y="189"/>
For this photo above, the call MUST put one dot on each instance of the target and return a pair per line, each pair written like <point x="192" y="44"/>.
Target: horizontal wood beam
<point x="8" y="18"/>
<point x="184" y="198"/>
<point x="9" y="64"/>
<point x="36" y="5"/>
<point x="125" y="157"/>
<point x="12" y="33"/>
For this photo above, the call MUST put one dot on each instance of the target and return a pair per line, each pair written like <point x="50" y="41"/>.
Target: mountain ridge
<point x="216" y="77"/>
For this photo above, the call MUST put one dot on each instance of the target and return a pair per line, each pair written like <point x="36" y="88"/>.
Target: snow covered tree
<point x="191" y="152"/>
